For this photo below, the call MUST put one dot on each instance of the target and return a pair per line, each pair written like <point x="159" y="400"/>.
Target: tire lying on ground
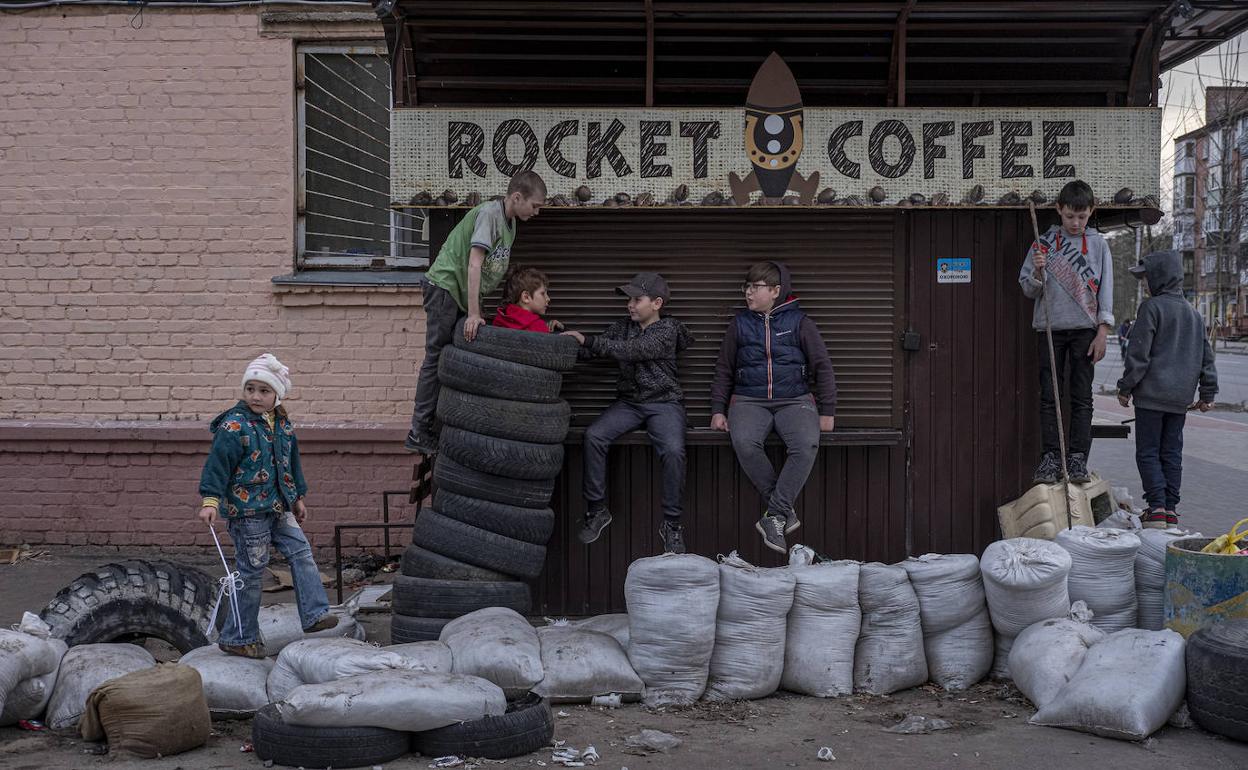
<point x="464" y="542"/>
<point x="409" y="628"/>
<point x="132" y="599"/>
<point x="297" y="746"/>
<point x="1217" y="678"/>
<point x="539" y="423"/>
<point x="422" y="563"/>
<point x="532" y="525"/>
<point x="470" y="372"/>
<point x="501" y="456"/>
<point x="429" y="598"/>
<point x="547" y="351"/>
<point x="455" y="477"/>
<point x="526" y="727"/>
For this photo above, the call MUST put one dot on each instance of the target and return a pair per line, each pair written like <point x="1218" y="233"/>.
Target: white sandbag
<point x="433" y="656"/>
<point x="1024" y="583"/>
<point x="233" y="686"/>
<point x="29" y="699"/>
<point x="280" y="625"/>
<point x="614" y="625"/>
<point x="579" y="664"/>
<point x="1120" y="519"/>
<point x="1150" y="576"/>
<point x="409" y="701"/>
<point x="957" y="632"/>
<point x="315" y="661"/>
<point x="750" y="626"/>
<point x="1047" y="654"/>
<point x="889" y="654"/>
<point x="26" y="652"/>
<point x="496" y="644"/>
<point x="86" y="667"/>
<point x="672" y="601"/>
<point x="1128" y="686"/>
<point x="823" y="630"/>
<point x="1102" y="573"/>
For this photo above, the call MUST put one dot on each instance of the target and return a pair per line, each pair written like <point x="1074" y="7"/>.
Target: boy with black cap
<point x="1167" y="360"/>
<point x="646" y="346"/>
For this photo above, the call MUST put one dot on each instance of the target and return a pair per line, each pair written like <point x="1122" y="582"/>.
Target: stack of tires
<point x="499" y="451"/>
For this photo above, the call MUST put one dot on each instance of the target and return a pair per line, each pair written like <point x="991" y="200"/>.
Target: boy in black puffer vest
<point x="762" y="381"/>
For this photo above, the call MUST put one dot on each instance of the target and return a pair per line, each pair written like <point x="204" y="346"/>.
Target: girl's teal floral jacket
<point x="253" y="468"/>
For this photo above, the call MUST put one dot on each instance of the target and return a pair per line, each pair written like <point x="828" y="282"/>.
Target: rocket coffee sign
<point x="774" y="149"/>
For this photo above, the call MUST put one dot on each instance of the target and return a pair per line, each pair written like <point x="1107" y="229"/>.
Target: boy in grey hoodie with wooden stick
<point x="1167" y="360"/>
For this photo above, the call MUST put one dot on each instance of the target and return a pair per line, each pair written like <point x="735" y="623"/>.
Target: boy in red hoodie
<point x="525" y="301"/>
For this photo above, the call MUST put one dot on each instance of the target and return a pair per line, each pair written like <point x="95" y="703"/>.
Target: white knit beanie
<point x="270" y="371"/>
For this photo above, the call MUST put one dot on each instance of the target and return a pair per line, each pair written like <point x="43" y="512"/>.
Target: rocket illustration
<point x="774" y="137"/>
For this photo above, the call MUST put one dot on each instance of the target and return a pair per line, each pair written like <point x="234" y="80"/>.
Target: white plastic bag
<point x="280" y="625"/>
<point x="409" y="701"/>
<point x="579" y="664"/>
<point x="672" y="601"/>
<point x="1047" y="654"/>
<point x="1102" y="573"/>
<point x="889" y="655"/>
<point x="233" y="686"/>
<point x="315" y="661"/>
<point x="498" y="645"/>
<point x="26" y="653"/>
<point x="823" y="630"/>
<point x="431" y="656"/>
<point x="614" y="625"/>
<point x="1128" y="686"/>
<point x="750" y="627"/>
<point x="86" y="667"/>
<point x="957" y="632"/>
<point x="1150" y="576"/>
<point x="1025" y="583"/>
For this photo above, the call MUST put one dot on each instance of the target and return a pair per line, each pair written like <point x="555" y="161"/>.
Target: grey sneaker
<point x="421" y="443"/>
<point x="1077" y="468"/>
<point x="673" y="536"/>
<point x="791" y="522"/>
<point x="1049" y="470"/>
<point x="772" y="530"/>
<point x="596" y="520"/>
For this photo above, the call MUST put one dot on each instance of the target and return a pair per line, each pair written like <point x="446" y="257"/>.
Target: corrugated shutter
<point x="845" y="271"/>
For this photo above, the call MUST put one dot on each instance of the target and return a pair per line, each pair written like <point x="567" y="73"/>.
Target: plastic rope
<point x="231" y="584"/>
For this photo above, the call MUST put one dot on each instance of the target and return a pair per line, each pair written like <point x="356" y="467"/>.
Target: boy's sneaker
<point x="596" y="520"/>
<point x="1156" y="519"/>
<point x="324" y="624"/>
<point x="1049" y="470"/>
<point x="253" y="650"/>
<point x="1077" y="468"/>
<point x="421" y="443"/>
<point x="791" y="522"/>
<point x="772" y="530"/>
<point x="673" y="536"/>
<point x="1172" y="519"/>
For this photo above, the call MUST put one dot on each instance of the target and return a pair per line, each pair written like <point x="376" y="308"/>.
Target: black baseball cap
<point x="645" y="285"/>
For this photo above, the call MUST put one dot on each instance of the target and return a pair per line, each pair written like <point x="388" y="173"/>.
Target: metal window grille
<point x="344" y="214"/>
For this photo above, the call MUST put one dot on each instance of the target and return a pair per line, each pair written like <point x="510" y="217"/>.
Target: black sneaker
<point x="1077" y="468"/>
<point x="596" y="520"/>
<point x="673" y="536"/>
<point x="772" y="530"/>
<point x="1049" y="470"/>
<point x="421" y="443"/>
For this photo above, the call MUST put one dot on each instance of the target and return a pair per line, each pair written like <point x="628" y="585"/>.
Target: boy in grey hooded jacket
<point x="1167" y="359"/>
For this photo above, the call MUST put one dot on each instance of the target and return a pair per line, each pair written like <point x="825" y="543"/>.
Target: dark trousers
<point x="442" y="315"/>
<point x="1159" y="456"/>
<point x="664" y="423"/>
<point x="1070" y="350"/>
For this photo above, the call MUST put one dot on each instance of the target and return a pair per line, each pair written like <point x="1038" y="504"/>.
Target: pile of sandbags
<point x="957" y="632"/>
<point x="29" y="661"/>
<point x="750" y="626"/>
<point x="1047" y="654"/>
<point x="1025" y="583"/>
<point x="889" y="655"/>
<point x="1102" y="573"/>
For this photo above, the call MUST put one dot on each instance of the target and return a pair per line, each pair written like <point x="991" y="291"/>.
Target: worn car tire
<point x="462" y="480"/>
<point x="501" y="456"/>
<point x="504" y="418"/>
<point x="526" y="727"/>
<point x="422" y="563"/>
<point x="426" y="597"/>
<point x="1217" y="678"/>
<point x="532" y="525"/>
<point x="464" y="542"/>
<point x="471" y="372"/>
<point x="409" y="628"/>
<point x="546" y="351"/>
<point x="134" y="599"/>
<point x="298" y="746"/>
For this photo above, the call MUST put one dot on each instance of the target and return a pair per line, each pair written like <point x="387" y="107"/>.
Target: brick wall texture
<point x="147" y="188"/>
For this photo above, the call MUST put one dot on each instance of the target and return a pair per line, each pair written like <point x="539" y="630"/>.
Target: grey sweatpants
<point x="796" y="421"/>
<point x="441" y="318"/>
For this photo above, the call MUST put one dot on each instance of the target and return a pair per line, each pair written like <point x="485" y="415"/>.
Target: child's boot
<point x="1049" y="470"/>
<point x="673" y="536"/>
<point x="1077" y="468"/>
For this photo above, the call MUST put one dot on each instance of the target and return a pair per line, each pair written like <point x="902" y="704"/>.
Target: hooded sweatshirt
<point x="773" y="355"/>
<point x="1168" y="355"/>
<point x="1079" y="274"/>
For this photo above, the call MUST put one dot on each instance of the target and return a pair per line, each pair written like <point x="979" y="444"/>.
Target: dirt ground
<point x="989" y="730"/>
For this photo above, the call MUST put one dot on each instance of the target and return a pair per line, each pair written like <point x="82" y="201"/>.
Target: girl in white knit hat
<point x="253" y="479"/>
